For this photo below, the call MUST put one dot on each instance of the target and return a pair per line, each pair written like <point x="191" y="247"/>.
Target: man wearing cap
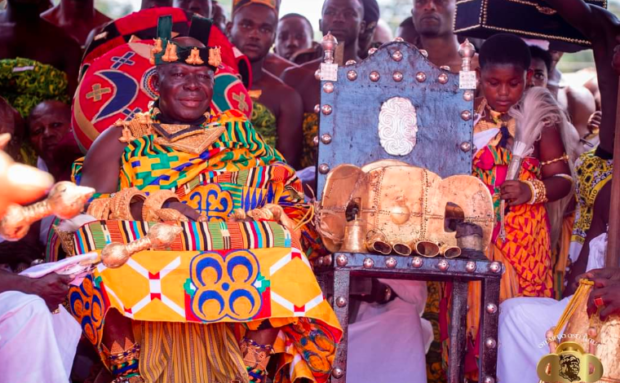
<point x="179" y="162"/>
<point x="277" y="111"/>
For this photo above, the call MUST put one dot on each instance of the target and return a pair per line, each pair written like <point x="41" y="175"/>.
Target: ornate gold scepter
<point x="159" y="236"/>
<point x="66" y="200"/>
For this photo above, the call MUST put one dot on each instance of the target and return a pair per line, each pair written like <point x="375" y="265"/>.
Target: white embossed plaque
<point x="398" y="126"/>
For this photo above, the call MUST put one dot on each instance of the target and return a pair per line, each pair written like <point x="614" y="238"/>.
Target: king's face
<point x="185" y="91"/>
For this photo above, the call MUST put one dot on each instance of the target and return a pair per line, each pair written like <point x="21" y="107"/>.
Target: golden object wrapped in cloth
<point x="65" y="200"/>
<point x="597" y="337"/>
<point x="402" y="209"/>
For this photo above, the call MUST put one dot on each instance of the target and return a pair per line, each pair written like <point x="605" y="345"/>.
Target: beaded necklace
<point x="506" y="126"/>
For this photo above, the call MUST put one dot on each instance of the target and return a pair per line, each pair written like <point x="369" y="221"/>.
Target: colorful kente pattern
<point x="258" y="275"/>
<point x="593" y="173"/>
<point x="264" y="121"/>
<point x="195" y="236"/>
<point x="25" y="83"/>
<point x="527" y="243"/>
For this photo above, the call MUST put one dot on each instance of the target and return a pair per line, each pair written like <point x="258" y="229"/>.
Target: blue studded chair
<point x="351" y="112"/>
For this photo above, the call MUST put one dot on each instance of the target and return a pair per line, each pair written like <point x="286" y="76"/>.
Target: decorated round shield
<point x="119" y="84"/>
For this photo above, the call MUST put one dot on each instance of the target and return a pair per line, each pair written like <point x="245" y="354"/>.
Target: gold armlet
<point x="100" y="209"/>
<point x="540" y="192"/>
<point x="553" y="161"/>
<point x="121" y="204"/>
<point x="154" y="203"/>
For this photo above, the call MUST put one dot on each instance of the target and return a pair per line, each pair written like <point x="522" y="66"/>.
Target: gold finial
<point x="215" y="57"/>
<point x="194" y="58"/>
<point x="157" y="48"/>
<point x="171" y="53"/>
<point x="65" y="200"/>
<point x="160" y="236"/>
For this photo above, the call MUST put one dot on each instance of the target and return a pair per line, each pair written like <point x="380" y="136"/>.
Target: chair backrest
<point x="395" y="105"/>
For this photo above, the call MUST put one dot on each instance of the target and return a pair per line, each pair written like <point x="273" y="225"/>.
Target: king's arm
<point x="103" y="164"/>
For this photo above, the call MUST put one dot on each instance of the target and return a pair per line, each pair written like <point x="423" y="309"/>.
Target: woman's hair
<point x="543" y="55"/>
<point x="505" y="48"/>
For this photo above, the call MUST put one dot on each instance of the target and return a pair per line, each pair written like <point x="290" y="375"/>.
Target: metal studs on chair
<point x="492" y="308"/>
<point x="420" y="76"/>
<point x="443" y="78"/>
<point x="341" y="302"/>
<point x="350" y="62"/>
<point x="468" y="95"/>
<point x="315" y="141"/>
<point x="326" y="109"/>
<point x="443" y="265"/>
<point x="444" y="67"/>
<point x="374" y="76"/>
<point x="489" y="379"/>
<point x="323" y="168"/>
<point x="398" y="76"/>
<point x="317" y="74"/>
<point x="399" y="39"/>
<point x="368" y="263"/>
<point x="466" y="115"/>
<point x="470" y="266"/>
<point x="397" y="56"/>
<point x="317" y="109"/>
<point x="328" y="87"/>
<point x="490" y="343"/>
<point x="391" y="262"/>
<point x="417" y="262"/>
<point x="342" y="260"/>
<point x="337" y="373"/>
<point x="372" y="51"/>
<point x="495" y="267"/>
<point x="424" y="53"/>
<point x="352" y="75"/>
<point x="326" y="138"/>
<point x="465" y="146"/>
<point x="327" y="260"/>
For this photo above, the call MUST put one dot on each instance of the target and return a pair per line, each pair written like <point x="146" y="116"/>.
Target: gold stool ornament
<point x="66" y="200"/>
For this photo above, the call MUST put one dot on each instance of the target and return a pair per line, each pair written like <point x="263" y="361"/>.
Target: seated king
<point x="233" y="298"/>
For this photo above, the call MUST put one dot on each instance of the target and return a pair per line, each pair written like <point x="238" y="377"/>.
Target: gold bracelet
<point x="541" y="192"/>
<point x="155" y="202"/>
<point x="532" y="192"/>
<point x="100" y="209"/>
<point x="562" y="158"/>
<point x="121" y="204"/>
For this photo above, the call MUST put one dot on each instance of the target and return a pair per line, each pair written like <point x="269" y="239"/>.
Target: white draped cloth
<point x="388" y="342"/>
<point x="524" y="322"/>
<point x="35" y="345"/>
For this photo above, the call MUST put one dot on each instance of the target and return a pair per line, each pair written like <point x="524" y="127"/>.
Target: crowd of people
<point x="553" y="230"/>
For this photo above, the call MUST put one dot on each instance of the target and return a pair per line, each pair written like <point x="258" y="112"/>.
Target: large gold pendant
<point x="195" y="143"/>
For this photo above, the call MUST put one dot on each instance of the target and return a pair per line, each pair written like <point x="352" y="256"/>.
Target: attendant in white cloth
<point x="38" y="337"/>
<point x="388" y="339"/>
<point x="35" y="345"/>
<point x="524" y="322"/>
